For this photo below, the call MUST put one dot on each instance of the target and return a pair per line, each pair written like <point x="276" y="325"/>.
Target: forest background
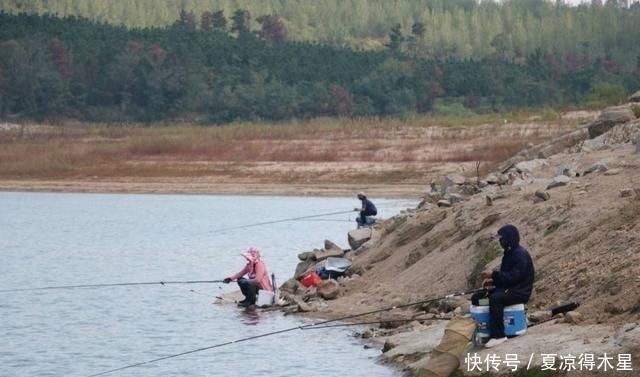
<point x="220" y="61"/>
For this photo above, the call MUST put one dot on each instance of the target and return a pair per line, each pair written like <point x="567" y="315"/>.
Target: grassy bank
<point x="325" y="150"/>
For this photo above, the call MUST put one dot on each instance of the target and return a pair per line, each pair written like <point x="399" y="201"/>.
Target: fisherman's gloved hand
<point x="226" y="280"/>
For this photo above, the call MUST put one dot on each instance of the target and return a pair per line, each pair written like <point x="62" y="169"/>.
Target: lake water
<point x="68" y="239"/>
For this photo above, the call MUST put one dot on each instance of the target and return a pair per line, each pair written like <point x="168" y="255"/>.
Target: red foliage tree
<point x="61" y="58"/>
<point x="206" y="21"/>
<point x="576" y="62"/>
<point x="341" y="101"/>
<point x="158" y="54"/>
<point x="553" y="63"/>
<point x="610" y="65"/>
<point x="273" y="28"/>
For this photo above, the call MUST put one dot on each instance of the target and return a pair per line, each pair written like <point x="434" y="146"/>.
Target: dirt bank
<point x="578" y="211"/>
<point x="318" y="157"/>
<point x="207" y="186"/>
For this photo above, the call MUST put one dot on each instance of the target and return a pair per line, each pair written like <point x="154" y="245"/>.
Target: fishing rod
<point x="375" y="322"/>
<point x="277" y="221"/>
<point x="303" y="327"/>
<point x="329" y="220"/>
<point x="111" y="285"/>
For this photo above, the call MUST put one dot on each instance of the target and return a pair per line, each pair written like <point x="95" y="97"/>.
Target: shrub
<point x="603" y="94"/>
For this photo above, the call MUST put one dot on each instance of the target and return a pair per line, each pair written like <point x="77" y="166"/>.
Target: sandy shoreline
<point x="202" y="186"/>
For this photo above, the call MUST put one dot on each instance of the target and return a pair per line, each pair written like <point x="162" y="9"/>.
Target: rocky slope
<point x="576" y="201"/>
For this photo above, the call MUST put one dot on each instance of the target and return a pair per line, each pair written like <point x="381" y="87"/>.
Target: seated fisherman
<point x="257" y="277"/>
<point x="513" y="282"/>
<point x="367" y="209"/>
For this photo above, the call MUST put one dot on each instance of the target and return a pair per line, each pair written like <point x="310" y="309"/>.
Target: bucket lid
<point x="479" y="309"/>
<point x="337" y="264"/>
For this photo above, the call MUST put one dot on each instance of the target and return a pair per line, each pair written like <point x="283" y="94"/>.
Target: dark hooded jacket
<point x="516" y="271"/>
<point x="368" y="207"/>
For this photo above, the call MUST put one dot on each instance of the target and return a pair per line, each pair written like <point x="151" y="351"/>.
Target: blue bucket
<point x="480" y="314"/>
<point x="515" y="321"/>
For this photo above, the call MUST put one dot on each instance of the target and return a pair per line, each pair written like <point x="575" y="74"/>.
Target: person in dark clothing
<point x="367" y="209"/>
<point x="513" y="282"/>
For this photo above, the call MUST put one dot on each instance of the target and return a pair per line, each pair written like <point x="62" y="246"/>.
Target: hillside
<point x="584" y="240"/>
<point x="60" y="69"/>
<point x="449" y="28"/>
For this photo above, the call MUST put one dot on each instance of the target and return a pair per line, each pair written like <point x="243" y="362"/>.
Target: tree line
<point x="450" y="28"/>
<point x="217" y="69"/>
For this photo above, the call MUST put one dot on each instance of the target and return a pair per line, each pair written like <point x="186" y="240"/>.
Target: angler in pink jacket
<point x="252" y="277"/>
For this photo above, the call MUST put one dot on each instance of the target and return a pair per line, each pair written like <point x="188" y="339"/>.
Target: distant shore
<point x="205" y="187"/>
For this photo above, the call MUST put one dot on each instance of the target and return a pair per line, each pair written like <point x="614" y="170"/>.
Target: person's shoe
<point x="494" y="342"/>
<point x="243" y="304"/>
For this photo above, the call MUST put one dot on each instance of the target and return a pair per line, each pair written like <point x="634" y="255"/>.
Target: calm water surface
<point x="65" y="239"/>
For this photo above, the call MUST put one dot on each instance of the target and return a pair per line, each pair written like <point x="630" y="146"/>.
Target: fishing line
<point x="329" y="220"/>
<point x="276" y="221"/>
<point x="111" y="285"/>
<point x="191" y="290"/>
<point x="303" y="327"/>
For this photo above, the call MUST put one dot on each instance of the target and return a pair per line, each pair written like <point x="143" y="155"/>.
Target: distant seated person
<point x="513" y="282"/>
<point x="366" y="209"/>
<point x="253" y="277"/>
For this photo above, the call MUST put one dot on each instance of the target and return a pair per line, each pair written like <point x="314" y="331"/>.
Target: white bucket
<point x="265" y="298"/>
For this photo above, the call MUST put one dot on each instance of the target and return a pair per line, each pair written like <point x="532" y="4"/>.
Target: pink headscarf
<point x="255" y="269"/>
<point x="252" y="254"/>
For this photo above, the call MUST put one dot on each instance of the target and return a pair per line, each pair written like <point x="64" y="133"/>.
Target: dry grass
<point x="80" y="150"/>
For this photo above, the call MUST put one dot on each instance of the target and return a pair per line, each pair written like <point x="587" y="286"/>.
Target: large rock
<point x="302" y="306"/>
<point x="303" y="267"/>
<point x="328" y="289"/>
<point x="542" y="195"/>
<point x="561" y="180"/>
<point x="566" y="169"/>
<point x="539" y="316"/>
<point x="306" y="255"/>
<point x="549" y="148"/>
<point x="454" y="198"/>
<point x="333" y="251"/>
<point x="620" y="134"/>
<point x="444" y="203"/>
<point x="635" y="97"/>
<point x="328" y="244"/>
<point x="531" y="165"/>
<point x="454" y="179"/>
<point x="497" y="179"/>
<point x="610" y="117"/>
<point x="598" y="167"/>
<point x="358" y="237"/>
<point x="291" y="286"/>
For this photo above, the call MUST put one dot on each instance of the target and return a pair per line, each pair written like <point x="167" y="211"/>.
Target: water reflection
<point x="249" y="316"/>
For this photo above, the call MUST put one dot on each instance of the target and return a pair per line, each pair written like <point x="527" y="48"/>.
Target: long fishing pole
<point x="303" y="327"/>
<point x="375" y="322"/>
<point x="277" y="221"/>
<point x="111" y="285"/>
